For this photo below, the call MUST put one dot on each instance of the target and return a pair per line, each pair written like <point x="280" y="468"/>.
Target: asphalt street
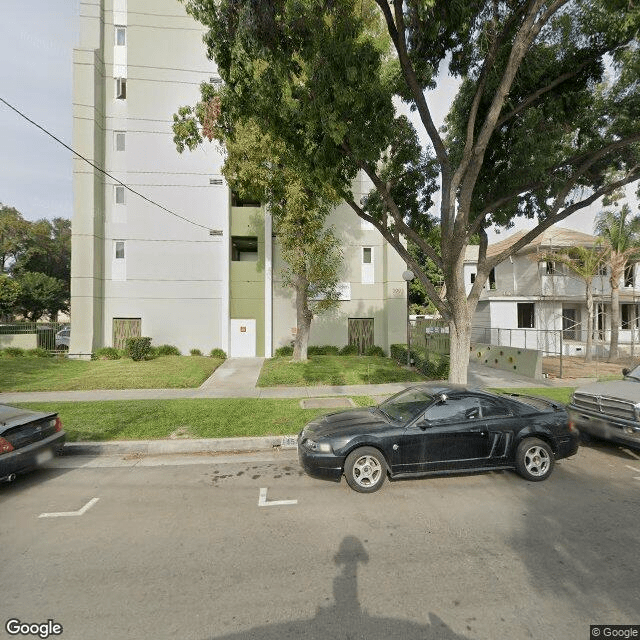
<point x="247" y="547"/>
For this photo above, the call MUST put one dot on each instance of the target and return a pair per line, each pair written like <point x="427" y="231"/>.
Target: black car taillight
<point x="58" y="424"/>
<point x="5" y="446"/>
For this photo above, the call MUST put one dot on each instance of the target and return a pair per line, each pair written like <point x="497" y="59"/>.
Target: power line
<point x="66" y="146"/>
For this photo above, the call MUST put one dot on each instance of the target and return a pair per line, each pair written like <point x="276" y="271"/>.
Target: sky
<point x="37" y="38"/>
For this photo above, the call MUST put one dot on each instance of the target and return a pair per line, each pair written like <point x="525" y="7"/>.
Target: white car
<point x="63" y="338"/>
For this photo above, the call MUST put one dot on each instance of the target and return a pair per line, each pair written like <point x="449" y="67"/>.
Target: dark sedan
<point x="437" y="428"/>
<point x="28" y="439"/>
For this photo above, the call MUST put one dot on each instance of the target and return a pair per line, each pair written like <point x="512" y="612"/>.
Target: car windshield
<point x="406" y="405"/>
<point x="634" y="373"/>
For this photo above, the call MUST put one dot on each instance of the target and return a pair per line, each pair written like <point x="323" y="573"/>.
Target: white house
<point x="186" y="262"/>
<point x="532" y="303"/>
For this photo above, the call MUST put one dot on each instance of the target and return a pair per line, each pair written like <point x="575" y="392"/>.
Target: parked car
<point x="63" y="338"/>
<point x="28" y="439"/>
<point x="437" y="428"/>
<point x="610" y="410"/>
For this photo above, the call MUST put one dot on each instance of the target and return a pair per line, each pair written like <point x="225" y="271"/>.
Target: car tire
<point x="534" y="459"/>
<point x="365" y="469"/>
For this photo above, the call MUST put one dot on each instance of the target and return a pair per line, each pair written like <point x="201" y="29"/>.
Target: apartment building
<point x="160" y="246"/>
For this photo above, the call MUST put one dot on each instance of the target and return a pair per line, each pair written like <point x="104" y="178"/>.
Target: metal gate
<point x="124" y="328"/>
<point x="361" y="333"/>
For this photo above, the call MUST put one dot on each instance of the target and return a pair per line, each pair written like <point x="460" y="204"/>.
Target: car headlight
<point x="321" y="447"/>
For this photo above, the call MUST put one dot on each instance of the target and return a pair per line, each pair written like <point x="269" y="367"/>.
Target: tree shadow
<point x="345" y="618"/>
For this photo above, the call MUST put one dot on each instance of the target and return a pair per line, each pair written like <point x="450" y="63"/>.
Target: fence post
<point x="561" y="353"/>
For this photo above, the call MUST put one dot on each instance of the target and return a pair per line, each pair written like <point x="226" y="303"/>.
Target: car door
<point x="499" y="420"/>
<point x="450" y="435"/>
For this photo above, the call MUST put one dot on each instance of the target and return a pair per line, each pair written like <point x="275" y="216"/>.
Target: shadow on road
<point x="345" y="619"/>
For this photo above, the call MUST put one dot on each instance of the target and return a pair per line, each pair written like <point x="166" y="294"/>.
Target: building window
<point x="119" y="249"/>
<point x="119" y="194"/>
<point x="121" y="36"/>
<point x="121" y="88"/>
<point x="368" y="276"/>
<point x="244" y="249"/>
<point x="118" y="268"/>
<point x="492" y="279"/>
<point x="366" y="255"/>
<point x="473" y="278"/>
<point x="550" y="268"/>
<point x="628" y="316"/>
<point x="628" y="275"/>
<point x="120" y="140"/>
<point x="526" y="315"/>
<point x="602" y="269"/>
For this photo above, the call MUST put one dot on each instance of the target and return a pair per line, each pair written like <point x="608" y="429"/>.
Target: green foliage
<point x="375" y="350"/>
<point x="138" y="348"/>
<point x="106" y="353"/>
<point x="195" y="352"/>
<point x="13" y="352"/>
<point x="349" y="350"/>
<point x="39" y="352"/>
<point x="283" y="352"/>
<point x="434" y="366"/>
<point x="167" y="350"/>
<point x="218" y="353"/>
<point x="40" y="295"/>
<point x="323" y="350"/>
<point x="9" y="293"/>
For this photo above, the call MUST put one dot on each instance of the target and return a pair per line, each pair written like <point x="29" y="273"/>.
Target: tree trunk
<point x="459" y="325"/>
<point x="304" y="316"/>
<point x="589" y="356"/>
<point x="615" y="312"/>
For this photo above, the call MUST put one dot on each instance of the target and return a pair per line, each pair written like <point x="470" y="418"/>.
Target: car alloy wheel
<point x="365" y="469"/>
<point x="534" y="459"/>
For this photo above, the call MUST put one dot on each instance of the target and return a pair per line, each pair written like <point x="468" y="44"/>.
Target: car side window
<point x="492" y="409"/>
<point x="454" y="410"/>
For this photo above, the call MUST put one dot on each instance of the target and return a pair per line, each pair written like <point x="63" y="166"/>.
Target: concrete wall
<point x="20" y="341"/>
<point x="526" y="362"/>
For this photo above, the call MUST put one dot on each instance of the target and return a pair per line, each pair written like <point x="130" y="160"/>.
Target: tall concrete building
<point x="182" y="260"/>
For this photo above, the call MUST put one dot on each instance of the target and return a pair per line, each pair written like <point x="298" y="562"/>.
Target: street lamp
<point x="408" y="276"/>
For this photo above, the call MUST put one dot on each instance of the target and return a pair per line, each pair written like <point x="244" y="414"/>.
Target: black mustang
<point x="437" y="428"/>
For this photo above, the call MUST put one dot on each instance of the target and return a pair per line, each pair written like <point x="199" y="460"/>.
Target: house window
<point x="121" y="88"/>
<point x="118" y="267"/>
<point x="550" y="268"/>
<point x="473" y="278"/>
<point x="628" y="316"/>
<point x="119" y="194"/>
<point x="244" y="249"/>
<point x="602" y="269"/>
<point x="119" y="140"/>
<point x="526" y="315"/>
<point x="492" y="279"/>
<point x="628" y="275"/>
<point x="367" y="265"/>
<point x="121" y="36"/>
<point x="119" y="249"/>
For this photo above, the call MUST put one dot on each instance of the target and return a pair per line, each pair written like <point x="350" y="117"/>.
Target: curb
<point x="163" y="447"/>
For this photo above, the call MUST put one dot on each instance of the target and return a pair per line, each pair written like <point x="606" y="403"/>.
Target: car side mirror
<point x="424" y="424"/>
<point x="625" y="372"/>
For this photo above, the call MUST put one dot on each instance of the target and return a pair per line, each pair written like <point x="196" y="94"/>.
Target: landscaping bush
<point x="138" y="348"/>
<point x="322" y="350"/>
<point x="167" y="350"/>
<point x="375" y="350"/>
<point x="107" y="353"/>
<point x="13" y="352"/>
<point x="281" y="352"/>
<point x="39" y="353"/>
<point x="349" y="350"/>
<point x="432" y="365"/>
<point x="195" y="352"/>
<point x="218" y="353"/>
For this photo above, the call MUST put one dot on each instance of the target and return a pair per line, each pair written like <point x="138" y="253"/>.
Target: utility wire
<point x="66" y="146"/>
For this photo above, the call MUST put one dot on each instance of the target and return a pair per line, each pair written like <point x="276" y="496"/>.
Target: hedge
<point x="432" y="365"/>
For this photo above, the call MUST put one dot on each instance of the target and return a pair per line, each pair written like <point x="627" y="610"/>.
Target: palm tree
<point x="585" y="263"/>
<point x="621" y="234"/>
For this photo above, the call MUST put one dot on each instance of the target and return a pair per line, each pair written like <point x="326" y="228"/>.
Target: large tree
<point x="40" y="295"/>
<point x="259" y="167"/>
<point x="621" y="233"/>
<point x="13" y="236"/>
<point x="546" y="121"/>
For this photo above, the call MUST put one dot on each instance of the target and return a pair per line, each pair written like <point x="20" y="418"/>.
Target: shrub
<point x="218" y="353"/>
<point x="14" y="352"/>
<point x="107" y="353"/>
<point x="349" y="350"/>
<point x="138" y="348"/>
<point x="195" y="352"/>
<point x="167" y="350"/>
<point x="430" y="364"/>
<point x="281" y="352"/>
<point x="324" y="350"/>
<point x="39" y="353"/>
<point x="375" y="350"/>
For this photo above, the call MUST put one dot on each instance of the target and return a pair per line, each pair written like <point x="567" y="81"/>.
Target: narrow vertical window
<point x="120" y="140"/>
<point x="366" y="255"/>
<point x="119" y="249"/>
<point x="368" y="273"/>
<point x="121" y="36"/>
<point x="492" y="279"/>
<point x="119" y="194"/>
<point x="121" y="88"/>
<point x="119" y="264"/>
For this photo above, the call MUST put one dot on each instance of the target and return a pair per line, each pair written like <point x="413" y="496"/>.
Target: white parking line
<point x="632" y="468"/>
<point x="62" y="514"/>
<point x="262" y="500"/>
<point x="631" y="453"/>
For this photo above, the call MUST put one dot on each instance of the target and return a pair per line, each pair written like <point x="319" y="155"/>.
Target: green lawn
<point x="61" y="374"/>
<point x="333" y="370"/>
<point x="197" y="418"/>
<point x="557" y="394"/>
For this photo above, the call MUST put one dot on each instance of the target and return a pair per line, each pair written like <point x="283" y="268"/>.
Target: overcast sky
<point x="36" y="46"/>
